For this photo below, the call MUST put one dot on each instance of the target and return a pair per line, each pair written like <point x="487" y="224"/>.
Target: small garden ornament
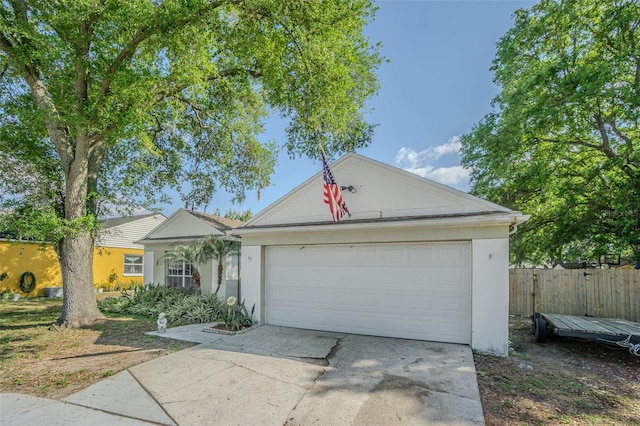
<point x="162" y="323"/>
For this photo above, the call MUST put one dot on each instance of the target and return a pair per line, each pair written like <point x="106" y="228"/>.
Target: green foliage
<point x="218" y="250"/>
<point x="193" y="254"/>
<point x="201" y="251"/>
<point x="44" y="225"/>
<point x="114" y="305"/>
<point x="104" y="98"/>
<point x="235" y="215"/>
<point x="179" y="306"/>
<point x="563" y="144"/>
<point x="175" y="93"/>
<point x="198" y="309"/>
<point x="117" y="285"/>
<point x="235" y="315"/>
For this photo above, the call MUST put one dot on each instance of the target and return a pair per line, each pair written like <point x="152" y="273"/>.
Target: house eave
<point x="433" y="221"/>
<point x="181" y="239"/>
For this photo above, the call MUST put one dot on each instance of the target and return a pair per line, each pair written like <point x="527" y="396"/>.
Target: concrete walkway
<point x="274" y="376"/>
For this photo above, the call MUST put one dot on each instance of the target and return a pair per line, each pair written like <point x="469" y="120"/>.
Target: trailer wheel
<point x="540" y="329"/>
<point x="534" y="317"/>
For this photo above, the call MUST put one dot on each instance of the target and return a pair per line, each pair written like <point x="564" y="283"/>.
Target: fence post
<point x="536" y="291"/>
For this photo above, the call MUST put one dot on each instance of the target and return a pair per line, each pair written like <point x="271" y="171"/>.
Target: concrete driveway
<point x="285" y="376"/>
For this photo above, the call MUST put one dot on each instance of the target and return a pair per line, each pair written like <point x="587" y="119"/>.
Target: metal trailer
<point x="609" y="331"/>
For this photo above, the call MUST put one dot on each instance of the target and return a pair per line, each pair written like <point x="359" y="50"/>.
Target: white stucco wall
<point x="149" y="266"/>
<point x="490" y="296"/>
<point x="154" y="272"/>
<point x="251" y="290"/>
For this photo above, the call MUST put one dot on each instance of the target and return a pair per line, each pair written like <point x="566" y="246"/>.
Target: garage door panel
<point x="451" y="304"/>
<point x="418" y="291"/>
<point x="368" y="300"/>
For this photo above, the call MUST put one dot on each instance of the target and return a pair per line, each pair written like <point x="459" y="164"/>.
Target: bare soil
<point x="559" y="382"/>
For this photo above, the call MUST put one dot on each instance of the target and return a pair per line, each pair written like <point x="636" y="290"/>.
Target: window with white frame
<point x="133" y="264"/>
<point x="179" y="274"/>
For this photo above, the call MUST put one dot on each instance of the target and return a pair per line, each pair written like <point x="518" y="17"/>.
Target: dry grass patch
<point x="39" y="359"/>
<point x="559" y="382"/>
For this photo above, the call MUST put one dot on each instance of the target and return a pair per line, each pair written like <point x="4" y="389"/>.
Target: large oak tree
<point x="564" y="141"/>
<point x="116" y="100"/>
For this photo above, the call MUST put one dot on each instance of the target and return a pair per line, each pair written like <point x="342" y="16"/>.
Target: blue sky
<point x="437" y="85"/>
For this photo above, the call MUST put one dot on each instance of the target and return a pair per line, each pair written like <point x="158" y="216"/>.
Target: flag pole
<point x="322" y="150"/>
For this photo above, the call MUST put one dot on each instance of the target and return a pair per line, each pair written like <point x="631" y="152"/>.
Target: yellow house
<point x="117" y="260"/>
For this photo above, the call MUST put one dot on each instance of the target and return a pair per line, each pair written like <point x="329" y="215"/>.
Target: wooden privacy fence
<point x="606" y="293"/>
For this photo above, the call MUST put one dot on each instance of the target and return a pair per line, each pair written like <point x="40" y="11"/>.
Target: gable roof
<point x="221" y="223"/>
<point x="115" y="231"/>
<point x="112" y="222"/>
<point x="186" y="225"/>
<point x="381" y="193"/>
<point x="123" y="232"/>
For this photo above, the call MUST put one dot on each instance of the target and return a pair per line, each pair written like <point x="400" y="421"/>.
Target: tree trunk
<point x="219" y="276"/>
<point x="75" y="251"/>
<point x="196" y="280"/>
<point x="76" y="261"/>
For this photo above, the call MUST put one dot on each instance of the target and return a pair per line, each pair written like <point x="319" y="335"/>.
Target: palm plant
<point x="201" y="251"/>
<point x="219" y="250"/>
<point x="194" y="254"/>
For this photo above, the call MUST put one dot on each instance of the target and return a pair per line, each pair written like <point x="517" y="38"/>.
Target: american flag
<point x="332" y="194"/>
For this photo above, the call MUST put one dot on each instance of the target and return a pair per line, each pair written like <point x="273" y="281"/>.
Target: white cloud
<point x="454" y="175"/>
<point x="407" y="157"/>
<point x="451" y="147"/>
<point x="421" y="163"/>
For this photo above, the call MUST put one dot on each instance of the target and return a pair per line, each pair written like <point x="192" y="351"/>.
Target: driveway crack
<point x="332" y="353"/>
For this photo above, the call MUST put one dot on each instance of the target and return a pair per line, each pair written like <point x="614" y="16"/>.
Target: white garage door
<point x="415" y="291"/>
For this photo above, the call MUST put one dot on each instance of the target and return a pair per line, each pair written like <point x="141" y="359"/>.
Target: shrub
<point x="235" y="316"/>
<point x="179" y="305"/>
<point x="127" y="285"/>
<point x="114" y="304"/>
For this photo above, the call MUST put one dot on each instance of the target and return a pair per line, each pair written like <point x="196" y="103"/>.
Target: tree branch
<point x="569" y="142"/>
<point x="621" y="135"/>
<point x="5" y="44"/>
<point x="20" y="9"/>
<point x="196" y="111"/>
<point x="57" y="130"/>
<point x="605" y="147"/>
<point x="165" y="94"/>
<point x="83" y="47"/>
<point x="96" y="156"/>
<point x="4" y="70"/>
<point x="59" y="133"/>
<point x="127" y="52"/>
<point x="125" y="55"/>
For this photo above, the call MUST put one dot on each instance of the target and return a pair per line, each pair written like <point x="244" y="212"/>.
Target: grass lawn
<point x="560" y="382"/>
<point x="38" y="359"/>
